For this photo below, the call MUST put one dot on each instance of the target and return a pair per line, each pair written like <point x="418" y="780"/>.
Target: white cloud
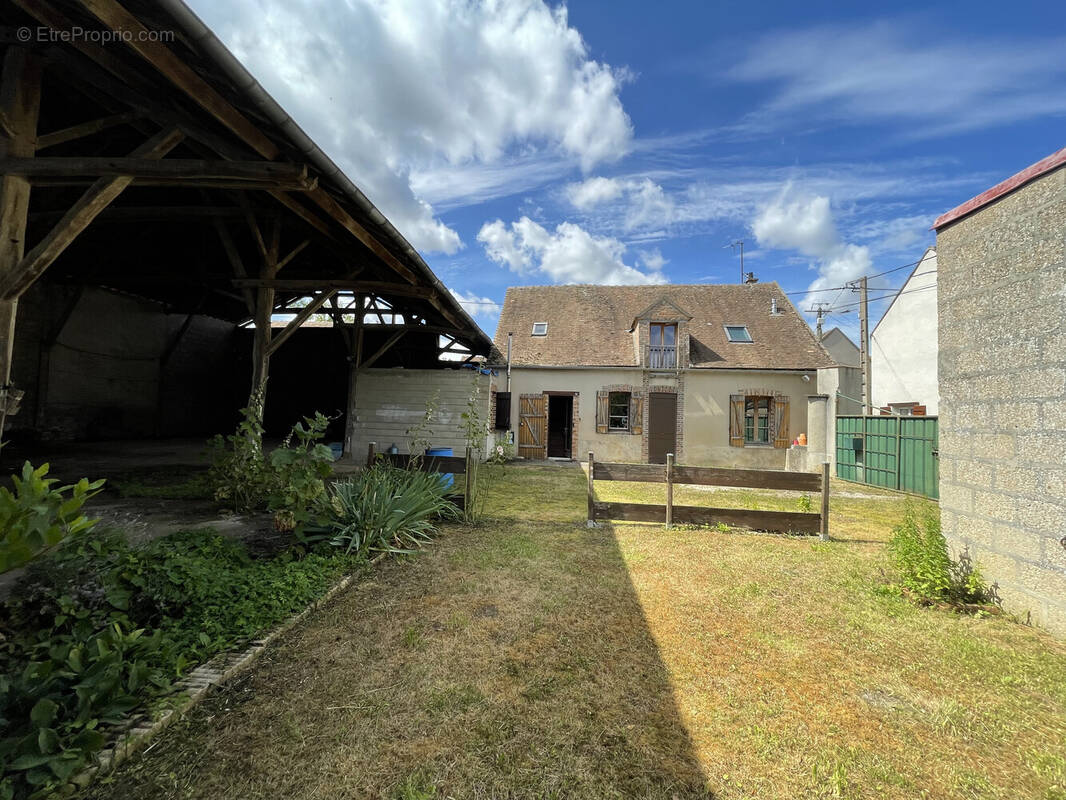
<point x="652" y="259"/>
<point x="642" y="202"/>
<point x="391" y="88"/>
<point x="570" y="254"/>
<point x="483" y="307"/>
<point x="593" y="192"/>
<point x="885" y="71"/>
<point x="805" y="223"/>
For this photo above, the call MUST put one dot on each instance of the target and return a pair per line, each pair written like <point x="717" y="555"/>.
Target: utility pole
<point x="864" y="347"/>
<point x="820" y="309"/>
<point x="739" y="243"/>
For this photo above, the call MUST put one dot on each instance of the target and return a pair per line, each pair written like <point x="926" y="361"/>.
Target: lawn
<point x="531" y="657"/>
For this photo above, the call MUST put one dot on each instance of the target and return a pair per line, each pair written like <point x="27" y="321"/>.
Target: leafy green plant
<point x="385" y="509"/>
<point x="803" y="503"/>
<point x="420" y="435"/>
<point x="299" y="471"/>
<point x="239" y="471"/>
<point x="501" y="453"/>
<point x="475" y="431"/>
<point x="37" y="517"/>
<point x="926" y="569"/>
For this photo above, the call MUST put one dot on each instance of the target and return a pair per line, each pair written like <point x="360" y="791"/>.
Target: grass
<point x="530" y="657"/>
<point x="165" y="483"/>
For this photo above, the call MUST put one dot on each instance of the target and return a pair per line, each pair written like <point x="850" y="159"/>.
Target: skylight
<point x="540" y="328"/>
<point x="738" y="333"/>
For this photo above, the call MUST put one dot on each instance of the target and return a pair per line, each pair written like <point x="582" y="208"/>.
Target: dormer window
<point x="662" y="351"/>
<point x="540" y="328"/>
<point x="738" y="333"/>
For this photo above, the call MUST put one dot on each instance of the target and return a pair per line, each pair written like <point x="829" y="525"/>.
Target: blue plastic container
<point x="337" y="449"/>
<point x="447" y="478"/>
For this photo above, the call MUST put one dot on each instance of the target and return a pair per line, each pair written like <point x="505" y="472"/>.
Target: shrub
<point x="385" y="509"/>
<point x="298" y="472"/>
<point x="926" y="569"/>
<point x="239" y="473"/>
<point x="35" y="517"/>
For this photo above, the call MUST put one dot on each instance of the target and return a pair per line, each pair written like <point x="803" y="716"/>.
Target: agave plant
<point x="386" y="509"/>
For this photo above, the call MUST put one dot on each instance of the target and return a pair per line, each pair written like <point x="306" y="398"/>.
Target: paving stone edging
<point x="134" y="734"/>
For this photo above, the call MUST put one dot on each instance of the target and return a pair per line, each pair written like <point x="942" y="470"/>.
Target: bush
<point x="36" y="517"/>
<point x="926" y="569"/>
<point x="239" y="473"/>
<point x="385" y="509"/>
<point x="100" y="628"/>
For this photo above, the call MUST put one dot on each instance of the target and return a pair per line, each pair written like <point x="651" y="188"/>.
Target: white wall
<point x="388" y="402"/>
<point x="903" y="346"/>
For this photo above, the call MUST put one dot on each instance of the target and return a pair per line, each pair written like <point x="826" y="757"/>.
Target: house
<point x="903" y="346"/>
<point x="1002" y="294"/>
<point x="716" y="374"/>
<point x="840" y="348"/>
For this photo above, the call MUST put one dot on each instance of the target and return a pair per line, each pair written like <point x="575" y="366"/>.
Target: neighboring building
<point x="840" y="348"/>
<point x="1002" y="338"/>
<point x="903" y="346"/>
<point x="715" y="374"/>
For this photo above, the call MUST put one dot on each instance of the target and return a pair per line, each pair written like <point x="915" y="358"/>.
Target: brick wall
<point x="1003" y="395"/>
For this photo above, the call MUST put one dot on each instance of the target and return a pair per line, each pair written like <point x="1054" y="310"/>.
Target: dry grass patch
<point x="529" y="657"/>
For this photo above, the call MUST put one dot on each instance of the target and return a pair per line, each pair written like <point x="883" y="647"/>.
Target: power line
<point x="882" y="297"/>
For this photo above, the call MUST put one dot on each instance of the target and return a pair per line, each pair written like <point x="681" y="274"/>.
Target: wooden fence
<point x="455" y="465"/>
<point x="783" y="521"/>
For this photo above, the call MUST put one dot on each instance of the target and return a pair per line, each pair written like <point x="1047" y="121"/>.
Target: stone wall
<point x="1002" y="294"/>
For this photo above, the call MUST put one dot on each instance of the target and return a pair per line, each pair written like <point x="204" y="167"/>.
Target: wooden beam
<point x="293" y="253"/>
<point x="84" y="129"/>
<point x="235" y="262"/>
<point x="177" y="72"/>
<point x="294" y="324"/>
<point x="311" y="285"/>
<point x="20" y="103"/>
<point x="383" y="349"/>
<point x="14" y="282"/>
<point x="122" y="214"/>
<point x="275" y="175"/>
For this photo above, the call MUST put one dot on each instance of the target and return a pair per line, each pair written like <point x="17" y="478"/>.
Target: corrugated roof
<point x="1041" y="167"/>
<point x="590" y="325"/>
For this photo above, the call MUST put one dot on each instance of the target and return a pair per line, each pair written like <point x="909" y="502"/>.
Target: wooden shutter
<point x="603" y="410"/>
<point x="781" y="437"/>
<point x="533" y="426"/>
<point x="636" y="413"/>
<point x="736" y="420"/>
<point x="503" y="411"/>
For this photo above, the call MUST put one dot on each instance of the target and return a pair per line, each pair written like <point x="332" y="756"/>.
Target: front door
<point x="662" y="426"/>
<point x="560" y="425"/>
<point x="532" y="426"/>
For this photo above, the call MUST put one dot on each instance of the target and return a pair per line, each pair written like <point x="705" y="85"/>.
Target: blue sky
<point x="515" y="142"/>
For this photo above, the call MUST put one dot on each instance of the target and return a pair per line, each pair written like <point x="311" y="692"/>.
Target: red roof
<point x="1029" y="173"/>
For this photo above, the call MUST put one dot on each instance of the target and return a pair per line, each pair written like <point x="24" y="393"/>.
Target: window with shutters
<point x="618" y="411"/>
<point x="758" y="420"/>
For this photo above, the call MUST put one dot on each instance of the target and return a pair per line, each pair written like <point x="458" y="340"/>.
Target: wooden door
<point x="533" y="426"/>
<point x="662" y="426"/>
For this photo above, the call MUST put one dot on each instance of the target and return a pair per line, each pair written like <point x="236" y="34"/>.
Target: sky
<point x="516" y="142"/>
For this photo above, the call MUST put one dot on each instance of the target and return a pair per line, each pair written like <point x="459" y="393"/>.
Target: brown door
<point x="532" y="426"/>
<point x="560" y="425"/>
<point x="662" y="426"/>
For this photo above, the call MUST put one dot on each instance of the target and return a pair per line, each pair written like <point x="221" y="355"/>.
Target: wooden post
<point x="264" y="310"/>
<point x="370" y="454"/>
<point x="592" y="501"/>
<point x="355" y="361"/>
<point x="20" y="102"/>
<point x="669" y="490"/>
<point x="469" y="483"/>
<point x="825" y="502"/>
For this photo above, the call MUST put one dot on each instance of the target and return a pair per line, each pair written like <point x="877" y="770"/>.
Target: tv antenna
<point x="739" y="243"/>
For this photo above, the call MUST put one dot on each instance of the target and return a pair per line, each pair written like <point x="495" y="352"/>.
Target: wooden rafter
<point x="340" y="284"/>
<point x="179" y="171"/>
<point x="294" y="324"/>
<point x="16" y="281"/>
<point x="383" y="349"/>
<point x="235" y="262"/>
<point x="83" y="129"/>
<point x="293" y="253"/>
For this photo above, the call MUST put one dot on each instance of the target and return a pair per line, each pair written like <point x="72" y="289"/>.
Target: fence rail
<point x="442" y="464"/>
<point x="781" y="521"/>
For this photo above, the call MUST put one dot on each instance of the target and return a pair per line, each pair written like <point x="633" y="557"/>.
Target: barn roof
<point x="591" y="325"/>
<point x="237" y="176"/>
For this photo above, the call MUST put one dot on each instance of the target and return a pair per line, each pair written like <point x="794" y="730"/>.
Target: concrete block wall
<point x="388" y="402"/>
<point x="1002" y="364"/>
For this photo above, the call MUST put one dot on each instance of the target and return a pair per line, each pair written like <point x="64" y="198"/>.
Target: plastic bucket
<point x="447" y="478"/>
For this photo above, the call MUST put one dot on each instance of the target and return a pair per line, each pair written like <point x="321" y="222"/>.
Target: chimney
<point x="773" y="307"/>
<point x="751" y="278"/>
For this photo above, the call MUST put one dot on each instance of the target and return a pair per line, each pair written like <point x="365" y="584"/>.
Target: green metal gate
<point x="891" y="452"/>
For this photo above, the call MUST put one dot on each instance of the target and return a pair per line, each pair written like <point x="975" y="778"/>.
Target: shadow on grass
<point x="511" y="659"/>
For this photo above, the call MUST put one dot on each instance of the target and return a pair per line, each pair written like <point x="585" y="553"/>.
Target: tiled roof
<point x="590" y="325"/>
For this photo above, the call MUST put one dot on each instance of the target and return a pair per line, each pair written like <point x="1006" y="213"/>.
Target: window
<point x="738" y="333"/>
<point x="503" y="411"/>
<point x="662" y="338"/>
<point x="618" y="411"/>
<point x="540" y="328"/>
<point x="757" y="420"/>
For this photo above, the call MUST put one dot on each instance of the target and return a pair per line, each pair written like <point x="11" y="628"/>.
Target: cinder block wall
<point x="1002" y="365"/>
<point x="388" y="402"/>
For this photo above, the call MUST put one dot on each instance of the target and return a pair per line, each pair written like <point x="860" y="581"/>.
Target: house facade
<point x="1002" y="336"/>
<point x="904" y="348"/>
<point x="716" y="374"/>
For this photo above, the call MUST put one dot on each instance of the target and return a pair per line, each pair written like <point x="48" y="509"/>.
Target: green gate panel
<point x="890" y="452"/>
